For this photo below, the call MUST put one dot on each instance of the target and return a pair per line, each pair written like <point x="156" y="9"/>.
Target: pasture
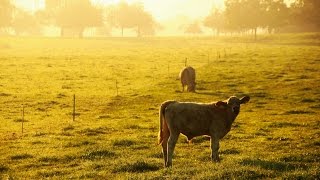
<point x="119" y="84"/>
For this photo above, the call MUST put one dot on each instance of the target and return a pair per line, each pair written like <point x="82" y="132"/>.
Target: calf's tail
<point x="163" y="125"/>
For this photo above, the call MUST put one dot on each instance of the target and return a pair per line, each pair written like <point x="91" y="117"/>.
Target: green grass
<point x="114" y="135"/>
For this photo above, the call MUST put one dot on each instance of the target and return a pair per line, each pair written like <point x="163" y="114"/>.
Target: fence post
<point x="168" y="69"/>
<point x="22" y="119"/>
<point x="74" y="108"/>
<point x="117" y="86"/>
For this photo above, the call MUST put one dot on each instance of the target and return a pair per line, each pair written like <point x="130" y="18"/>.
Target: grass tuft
<point x="317" y="106"/>
<point x="133" y="126"/>
<point x="200" y="139"/>
<point x="269" y="165"/>
<point x="52" y="159"/>
<point x="298" y="112"/>
<point x="50" y="174"/>
<point x="283" y="125"/>
<point x="307" y="100"/>
<point x="317" y="143"/>
<point x="3" y="168"/>
<point x="78" y="144"/>
<point x="139" y="167"/>
<point x="68" y="128"/>
<point x="20" y="120"/>
<point x="156" y="155"/>
<point x="242" y="174"/>
<point x="230" y="151"/>
<point x="93" y="132"/>
<point x="306" y="158"/>
<point x="260" y="94"/>
<point x="21" y="156"/>
<point x="98" y="154"/>
<point x="5" y="94"/>
<point x="124" y="142"/>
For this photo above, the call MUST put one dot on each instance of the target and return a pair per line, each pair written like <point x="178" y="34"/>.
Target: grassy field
<point x="119" y="84"/>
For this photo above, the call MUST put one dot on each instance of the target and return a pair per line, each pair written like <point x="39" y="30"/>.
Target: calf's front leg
<point x="214" y="149"/>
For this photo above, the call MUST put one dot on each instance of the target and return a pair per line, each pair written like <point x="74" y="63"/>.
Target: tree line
<point x="243" y="16"/>
<point x="238" y="16"/>
<point x="74" y="16"/>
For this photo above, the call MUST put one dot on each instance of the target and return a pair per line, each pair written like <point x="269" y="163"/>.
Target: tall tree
<point x="73" y="14"/>
<point x="215" y="21"/>
<point x="255" y="13"/>
<point x="235" y="14"/>
<point x="6" y="13"/>
<point x="306" y="14"/>
<point x="142" y="20"/>
<point x="245" y="14"/>
<point x="125" y="15"/>
<point x="120" y="16"/>
<point x="193" y="28"/>
<point x="276" y="14"/>
<point x="25" y="23"/>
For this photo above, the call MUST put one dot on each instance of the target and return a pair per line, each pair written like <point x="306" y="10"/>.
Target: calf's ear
<point x="220" y="104"/>
<point x="244" y="99"/>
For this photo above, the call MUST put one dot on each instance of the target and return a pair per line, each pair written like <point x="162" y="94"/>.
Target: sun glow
<point x="161" y="10"/>
<point x="172" y="15"/>
<point x="166" y="9"/>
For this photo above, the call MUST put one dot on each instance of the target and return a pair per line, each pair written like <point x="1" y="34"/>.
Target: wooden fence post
<point x="22" y="119"/>
<point x="168" y="69"/>
<point x="117" y="87"/>
<point x="74" y="108"/>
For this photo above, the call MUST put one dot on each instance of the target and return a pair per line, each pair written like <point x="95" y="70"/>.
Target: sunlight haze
<point x="161" y="10"/>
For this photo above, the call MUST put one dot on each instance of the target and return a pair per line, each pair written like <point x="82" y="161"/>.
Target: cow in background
<point x="188" y="78"/>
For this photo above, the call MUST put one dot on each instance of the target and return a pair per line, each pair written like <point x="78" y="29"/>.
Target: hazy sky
<point x="165" y="9"/>
<point x="160" y="9"/>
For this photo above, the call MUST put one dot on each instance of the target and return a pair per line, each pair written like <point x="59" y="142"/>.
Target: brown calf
<point x="196" y="119"/>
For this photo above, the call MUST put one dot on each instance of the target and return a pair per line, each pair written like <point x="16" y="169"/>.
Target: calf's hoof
<point x="216" y="159"/>
<point x="168" y="165"/>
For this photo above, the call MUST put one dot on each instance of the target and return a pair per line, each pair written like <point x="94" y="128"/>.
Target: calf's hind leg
<point x="164" y="147"/>
<point x="171" y="144"/>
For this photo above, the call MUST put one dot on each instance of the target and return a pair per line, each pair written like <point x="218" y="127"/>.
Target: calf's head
<point x="233" y="103"/>
<point x="192" y="87"/>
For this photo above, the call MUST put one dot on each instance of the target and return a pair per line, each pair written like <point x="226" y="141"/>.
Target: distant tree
<point x="25" y="23"/>
<point x="276" y="14"/>
<point x="306" y="14"/>
<point x="6" y="13"/>
<point x="235" y="14"/>
<point x="255" y="13"/>
<point x="245" y="14"/>
<point x="215" y="21"/>
<point x="119" y="16"/>
<point x="49" y="14"/>
<point x="143" y="21"/>
<point x="78" y="15"/>
<point x="74" y="15"/>
<point x="193" y="28"/>
<point x="126" y="16"/>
